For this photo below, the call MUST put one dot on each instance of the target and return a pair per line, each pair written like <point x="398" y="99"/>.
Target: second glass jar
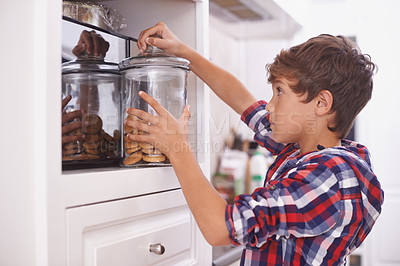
<point x="163" y="77"/>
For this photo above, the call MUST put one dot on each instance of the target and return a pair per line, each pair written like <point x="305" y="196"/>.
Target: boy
<point x="320" y="198"/>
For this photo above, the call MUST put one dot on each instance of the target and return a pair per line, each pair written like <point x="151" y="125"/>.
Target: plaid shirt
<point x="314" y="209"/>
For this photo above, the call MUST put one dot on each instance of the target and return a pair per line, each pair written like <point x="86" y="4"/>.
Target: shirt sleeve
<point x="305" y="202"/>
<point x="257" y="119"/>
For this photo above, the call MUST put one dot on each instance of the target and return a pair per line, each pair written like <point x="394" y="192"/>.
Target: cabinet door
<point x="147" y="230"/>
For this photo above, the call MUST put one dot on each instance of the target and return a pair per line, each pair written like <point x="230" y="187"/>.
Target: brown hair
<point x="328" y="63"/>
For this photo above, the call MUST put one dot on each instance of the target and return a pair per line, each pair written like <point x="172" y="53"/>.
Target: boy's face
<point x="291" y="119"/>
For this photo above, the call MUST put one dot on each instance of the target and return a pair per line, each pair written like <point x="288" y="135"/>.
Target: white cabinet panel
<point x="121" y="232"/>
<point x="129" y="243"/>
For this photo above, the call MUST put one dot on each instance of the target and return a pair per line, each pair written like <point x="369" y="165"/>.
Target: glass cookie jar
<point x="95" y="89"/>
<point x="163" y="77"/>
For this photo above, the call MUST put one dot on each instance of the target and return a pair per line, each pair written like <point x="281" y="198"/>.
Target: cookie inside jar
<point x="92" y="88"/>
<point x="137" y="153"/>
<point x="96" y="143"/>
<point x="163" y="77"/>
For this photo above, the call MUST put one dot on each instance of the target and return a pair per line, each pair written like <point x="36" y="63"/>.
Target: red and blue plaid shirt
<point x="314" y="209"/>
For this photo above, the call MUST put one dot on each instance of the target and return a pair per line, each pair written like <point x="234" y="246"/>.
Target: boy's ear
<point x="323" y="103"/>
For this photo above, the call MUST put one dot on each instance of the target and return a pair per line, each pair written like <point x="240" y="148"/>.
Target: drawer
<point x="129" y="243"/>
<point x="122" y="232"/>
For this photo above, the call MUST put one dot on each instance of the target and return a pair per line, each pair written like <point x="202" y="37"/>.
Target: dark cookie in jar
<point x="93" y="138"/>
<point x="106" y="136"/>
<point x="75" y="132"/>
<point x="70" y="146"/>
<point x="87" y="156"/>
<point x="117" y="135"/>
<point x="71" y="157"/>
<point x="70" y="151"/>
<point x="91" y="146"/>
<point x="91" y="124"/>
<point x="92" y="151"/>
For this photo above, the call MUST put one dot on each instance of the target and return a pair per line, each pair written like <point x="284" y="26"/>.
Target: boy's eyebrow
<point x="280" y="80"/>
<point x="278" y="83"/>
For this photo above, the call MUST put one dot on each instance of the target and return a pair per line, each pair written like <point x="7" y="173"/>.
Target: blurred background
<point x="245" y="35"/>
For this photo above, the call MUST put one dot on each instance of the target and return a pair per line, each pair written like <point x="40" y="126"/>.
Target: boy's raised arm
<point x="224" y="84"/>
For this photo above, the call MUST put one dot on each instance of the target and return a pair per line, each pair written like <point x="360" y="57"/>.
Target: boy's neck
<point x="319" y="142"/>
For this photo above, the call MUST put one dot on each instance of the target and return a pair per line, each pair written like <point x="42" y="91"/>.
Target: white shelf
<point x="37" y="194"/>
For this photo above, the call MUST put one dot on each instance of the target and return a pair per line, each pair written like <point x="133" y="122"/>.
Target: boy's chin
<point x="279" y="138"/>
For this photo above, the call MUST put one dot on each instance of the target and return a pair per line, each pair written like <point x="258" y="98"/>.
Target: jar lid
<point x="154" y="56"/>
<point x="86" y="64"/>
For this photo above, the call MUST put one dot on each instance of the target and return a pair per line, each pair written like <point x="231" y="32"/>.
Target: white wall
<point x="225" y="52"/>
<point x="376" y="25"/>
<point x="245" y="59"/>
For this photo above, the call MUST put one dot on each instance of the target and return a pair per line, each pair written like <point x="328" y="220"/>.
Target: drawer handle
<point x="157" y="249"/>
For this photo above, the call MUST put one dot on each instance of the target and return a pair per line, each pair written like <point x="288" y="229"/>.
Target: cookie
<point x="93" y="138"/>
<point x="132" y="150"/>
<point x="70" y="151"/>
<point x="87" y="156"/>
<point x="129" y="129"/>
<point x="146" y="146"/>
<point x="69" y="158"/>
<point x="126" y="139"/>
<point x="75" y="132"/>
<point x="130" y="145"/>
<point x="91" y="146"/>
<point x="111" y="154"/>
<point x="116" y="135"/>
<point x="133" y="158"/>
<point x="91" y="123"/>
<point x="92" y="151"/>
<point x="151" y="151"/>
<point x="154" y="158"/>
<point x="69" y="146"/>
<point x="106" y="136"/>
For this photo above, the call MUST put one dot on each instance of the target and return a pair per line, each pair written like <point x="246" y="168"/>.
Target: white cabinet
<point x="124" y="232"/>
<point x="86" y="217"/>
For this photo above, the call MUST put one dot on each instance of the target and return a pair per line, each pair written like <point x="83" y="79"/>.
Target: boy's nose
<point x="269" y="107"/>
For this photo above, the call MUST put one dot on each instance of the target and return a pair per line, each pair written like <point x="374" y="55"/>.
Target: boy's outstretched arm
<point x="169" y="135"/>
<point x="224" y="84"/>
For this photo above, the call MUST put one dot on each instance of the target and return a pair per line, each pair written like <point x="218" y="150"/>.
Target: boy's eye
<point x="278" y="90"/>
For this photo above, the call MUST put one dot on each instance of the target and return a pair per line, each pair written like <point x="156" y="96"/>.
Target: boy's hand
<point x="91" y="42"/>
<point x="67" y="124"/>
<point x="164" y="131"/>
<point x="161" y="37"/>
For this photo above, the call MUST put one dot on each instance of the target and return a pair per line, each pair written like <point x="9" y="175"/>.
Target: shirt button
<point x="235" y="235"/>
<point x="272" y="187"/>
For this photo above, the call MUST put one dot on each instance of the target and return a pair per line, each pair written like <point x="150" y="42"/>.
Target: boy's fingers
<point x="69" y="139"/>
<point x="153" y="103"/>
<point x="66" y="117"/>
<point x="78" y="49"/>
<point x="140" y="138"/>
<point x="70" y="127"/>
<point x="65" y="101"/>
<point x="159" y="43"/>
<point x="186" y="113"/>
<point x="142" y="115"/>
<point x="155" y="31"/>
<point x="143" y="36"/>
<point x="138" y="125"/>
